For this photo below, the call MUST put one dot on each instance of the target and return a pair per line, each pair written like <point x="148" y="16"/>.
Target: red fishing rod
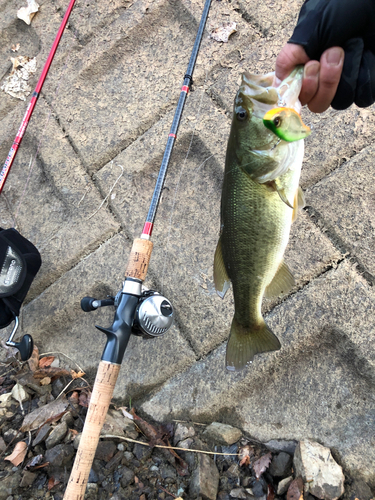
<point x="30" y="108"/>
<point x="143" y="313"/>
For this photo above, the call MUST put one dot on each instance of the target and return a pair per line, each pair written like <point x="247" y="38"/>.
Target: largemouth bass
<point x="260" y="199"/>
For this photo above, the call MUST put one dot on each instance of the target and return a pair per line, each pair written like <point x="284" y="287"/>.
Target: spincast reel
<point x="153" y="314"/>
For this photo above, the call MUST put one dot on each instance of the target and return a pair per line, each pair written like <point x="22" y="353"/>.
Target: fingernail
<point x="277" y="81"/>
<point x="334" y="56"/>
<point x="312" y="70"/>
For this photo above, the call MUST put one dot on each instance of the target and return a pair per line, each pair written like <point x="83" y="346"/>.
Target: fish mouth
<point x="264" y="94"/>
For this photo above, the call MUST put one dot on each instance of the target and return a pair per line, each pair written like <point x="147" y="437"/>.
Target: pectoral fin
<point x="299" y="203"/>
<point x="281" y="192"/>
<point x="282" y="282"/>
<point x="221" y="280"/>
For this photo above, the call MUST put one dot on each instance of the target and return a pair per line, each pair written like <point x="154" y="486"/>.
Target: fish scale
<point x="260" y="186"/>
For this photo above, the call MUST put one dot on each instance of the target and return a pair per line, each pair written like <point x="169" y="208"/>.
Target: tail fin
<point x="245" y="342"/>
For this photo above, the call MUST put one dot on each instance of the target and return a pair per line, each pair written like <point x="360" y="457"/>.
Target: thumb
<point x="289" y="57"/>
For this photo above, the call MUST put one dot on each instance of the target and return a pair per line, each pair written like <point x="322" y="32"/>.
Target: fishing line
<point x="110" y="191"/>
<point x="166" y="251"/>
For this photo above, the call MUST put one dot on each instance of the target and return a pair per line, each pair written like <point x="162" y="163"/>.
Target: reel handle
<point x="25" y="346"/>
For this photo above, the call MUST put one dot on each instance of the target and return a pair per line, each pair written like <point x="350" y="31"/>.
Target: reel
<point x="153" y="315"/>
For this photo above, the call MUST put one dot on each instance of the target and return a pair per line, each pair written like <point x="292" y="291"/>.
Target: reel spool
<point x="153" y="316"/>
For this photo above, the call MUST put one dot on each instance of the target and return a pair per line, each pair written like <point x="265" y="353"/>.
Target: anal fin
<point x="221" y="280"/>
<point x="282" y="282"/>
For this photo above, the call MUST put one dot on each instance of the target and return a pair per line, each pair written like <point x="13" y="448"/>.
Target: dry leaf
<point x="16" y="84"/>
<point x="76" y="375"/>
<point x="126" y="413"/>
<point x="45" y="381"/>
<point x="27" y="13"/>
<point x="46" y="361"/>
<point x="19" y="453"/>
<point x="295" y="490"/>
<point x="84" y="398"/>
<point x="33" y="362"/>
<point x="51" y="372"/>
<point x="47" y="413"/>
<point x="52" y="482"/>
<point x="262" y="464"/>
<point x="223" y="32"/>
<point x="19" y="394"/>
<point x="245" y="453"/>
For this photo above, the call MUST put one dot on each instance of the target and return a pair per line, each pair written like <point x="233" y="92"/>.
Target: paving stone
<point x="321" y="474"/>
<point x="352" y="215"/>
<point x="325" y="357"/>
<point x="54" y="211"/>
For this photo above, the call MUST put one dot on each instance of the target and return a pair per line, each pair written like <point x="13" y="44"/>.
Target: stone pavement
<point x="103" y="118"/>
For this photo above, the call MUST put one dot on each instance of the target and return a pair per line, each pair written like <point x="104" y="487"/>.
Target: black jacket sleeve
<point x="349" y="24"/>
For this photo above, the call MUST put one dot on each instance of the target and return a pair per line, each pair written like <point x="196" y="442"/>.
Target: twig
<point x="110" y="191"/>
<point x="167" y="447"/>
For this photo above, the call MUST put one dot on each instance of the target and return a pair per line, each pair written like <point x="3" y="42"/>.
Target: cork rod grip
<point x="100" y="399"/>
<point x="139" y="259"/>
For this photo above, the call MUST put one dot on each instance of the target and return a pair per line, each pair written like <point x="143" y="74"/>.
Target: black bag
<point x="19" y="262"/>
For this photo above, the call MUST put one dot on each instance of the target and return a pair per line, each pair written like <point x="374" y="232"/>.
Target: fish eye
<point x="277" y="121"/>
<point x="242" y="114"/>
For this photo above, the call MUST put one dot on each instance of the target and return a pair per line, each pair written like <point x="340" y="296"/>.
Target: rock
<point x="8" y="484"/>
<point x="205" y="479"/>
<point x="59" y="455"/>
<point x="142" y="452"/>
<point x="258" y="488"/>
<point x="42" y="434"/>
<point x="114" y="462"/>
<point x="284" y="485"/>
<point x="2" y="445"/>
<point x="105" y="450"/>
<point x="27" y="479"/>
<point x="127" y="476"/>
<point x="77" y="440"/>
<point x="222" y="433"/>
<point x="322" y="476"/>
<point x="295" y="490"/>
<point x="93" y="477"/>
<point x="281" y="465"/>
<point x="56" y="435"/>
<point x="359" y="489"/>
<point x="167" y="471"/>
<point x="281" y="445"/>
<point x="183" y="432"/>
<point x="11" y="435"/>
<point x="68" y="418"/>
<point x="238" y="493"/>
<point x="92" y="487"/>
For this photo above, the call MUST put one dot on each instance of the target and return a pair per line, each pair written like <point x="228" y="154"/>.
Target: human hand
<point x="335" y="41"/>
<point x="320" y="78"/>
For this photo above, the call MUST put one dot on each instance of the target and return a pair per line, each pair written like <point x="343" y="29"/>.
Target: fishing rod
<point x="34" y="98"/>
<point x="143" y="313"/>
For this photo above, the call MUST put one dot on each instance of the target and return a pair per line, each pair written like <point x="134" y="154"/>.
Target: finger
<point x="289" y="57"/>
<point x="331" y="64"/>
<point x="310" y="83"/>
